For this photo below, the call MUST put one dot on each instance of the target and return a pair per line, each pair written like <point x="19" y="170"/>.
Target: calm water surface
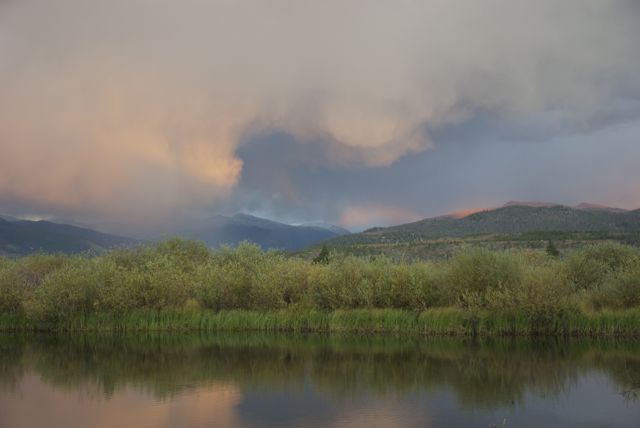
<point x="243" y="381"/>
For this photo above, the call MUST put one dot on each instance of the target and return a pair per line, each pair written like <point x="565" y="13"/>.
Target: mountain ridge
<point x="268" y="234"/>
<point x="21" y="237"/>
<point x="511" y="219"/>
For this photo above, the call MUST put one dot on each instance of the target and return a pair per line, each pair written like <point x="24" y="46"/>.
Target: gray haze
<point x="136" y="116"/>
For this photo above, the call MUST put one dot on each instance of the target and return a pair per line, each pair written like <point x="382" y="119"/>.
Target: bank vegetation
<point x="182" y="285"/>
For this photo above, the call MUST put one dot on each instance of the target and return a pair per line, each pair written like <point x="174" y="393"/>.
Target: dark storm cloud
<point x="473" y="166"/>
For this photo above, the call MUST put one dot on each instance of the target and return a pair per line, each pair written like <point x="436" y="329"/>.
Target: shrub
<point x="186" y="276"/>
<point x="19" y="279"/>
<point x="621" y="291"/>
<point x="288" y="282"/>
<point x="352" y="282"/>
<point x="68" y="291"/>
<point x="165" y="283"/>
<point x="627" y="287"/>
<point x="208" y="287"/>
<point x="33" y="269"/>
<point x="478" y="275"/>
<point x="417" y="286"/>
<point x="343" y="285"/>
<point x="185" y="254"/>
<point x="589" y="268"/>
<point x="12" y="289"/>
<point x="545" y="292"/>
<point x="238" y="279"/>
<point x="119" y="289"/>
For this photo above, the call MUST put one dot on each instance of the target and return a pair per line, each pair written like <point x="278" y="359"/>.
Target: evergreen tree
<point x="323" y="256"/>
<point x="552" y="250"/>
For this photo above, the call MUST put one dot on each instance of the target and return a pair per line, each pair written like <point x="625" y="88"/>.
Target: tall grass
<point x="431" y="322"/>
<point x="181" y="285"/>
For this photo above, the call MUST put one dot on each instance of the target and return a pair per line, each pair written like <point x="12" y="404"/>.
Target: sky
<point x="137" y="116"/>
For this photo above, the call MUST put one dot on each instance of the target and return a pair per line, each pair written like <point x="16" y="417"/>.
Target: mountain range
<point x="20" y="237"/>
<point x="231" y="230"/>
<point x="511" y="219"/>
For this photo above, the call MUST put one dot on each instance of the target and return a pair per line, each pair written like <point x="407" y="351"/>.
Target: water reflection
<point x="236" y="380"/>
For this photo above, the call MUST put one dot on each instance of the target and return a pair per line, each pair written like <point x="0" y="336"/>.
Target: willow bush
<point x="185" y="276"/>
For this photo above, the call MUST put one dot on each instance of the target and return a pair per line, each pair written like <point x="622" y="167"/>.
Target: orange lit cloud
<point x="130" y="157"/>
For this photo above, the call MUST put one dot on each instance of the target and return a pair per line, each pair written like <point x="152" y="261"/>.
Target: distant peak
<point x="327" y="226"/>
<point x="534" y="204"/>
<point x="467" y="212"/>
<point x="464" y="213"/>
<point x="249" y="219"/>
<point x="8" y="218"/>
<point x="597" y="207"/>
<point x="246" y="216"/>
<point x="584" y="206"/>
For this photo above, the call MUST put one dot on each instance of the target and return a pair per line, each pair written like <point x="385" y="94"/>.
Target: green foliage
<point x="621" y="290"/>
<point x="551" y="249"/>
<point x="239" y="279"/>
<point x="478" y="277"/>
<point x="417" y="286"/>
<point x="626" y="287"/>
<point x="183" y="282"/>
<point x="184" y="253"/>
<point x="589" y="268"/>
<point x="68" y="291"/>
<point x="323" y="256"/>
<point x="19" y="280"/>
<point x="544" y="293"/>
<point x="12" y="289"/>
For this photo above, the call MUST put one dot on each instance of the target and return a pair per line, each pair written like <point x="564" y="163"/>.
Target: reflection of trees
<point x="623" y="367"/>
<point x="11" y="367"/>
<point x="482" y="373"/>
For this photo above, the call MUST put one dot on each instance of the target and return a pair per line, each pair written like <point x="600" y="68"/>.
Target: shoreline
<point x="450" y="322"/>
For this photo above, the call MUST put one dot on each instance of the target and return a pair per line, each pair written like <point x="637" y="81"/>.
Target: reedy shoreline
<point x="433" y="322"/>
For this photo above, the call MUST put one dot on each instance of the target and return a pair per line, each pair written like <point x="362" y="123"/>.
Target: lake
<point x="258" y="380"/>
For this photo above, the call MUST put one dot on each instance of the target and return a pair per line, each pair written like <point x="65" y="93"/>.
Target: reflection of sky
<point x="592" y="402"/>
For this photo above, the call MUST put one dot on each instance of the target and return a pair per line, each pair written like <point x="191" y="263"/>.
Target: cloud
<point x="136" y="111"/>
